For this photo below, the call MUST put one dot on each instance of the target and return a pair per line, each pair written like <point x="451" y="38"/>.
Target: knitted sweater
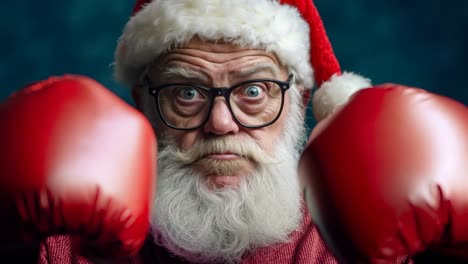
<point x="305" y="247"/>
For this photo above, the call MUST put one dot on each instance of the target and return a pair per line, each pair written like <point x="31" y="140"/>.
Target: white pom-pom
<point x="336" y="92"/>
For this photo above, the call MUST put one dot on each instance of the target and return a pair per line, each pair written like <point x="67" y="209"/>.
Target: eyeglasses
<point x="253" y="103"/>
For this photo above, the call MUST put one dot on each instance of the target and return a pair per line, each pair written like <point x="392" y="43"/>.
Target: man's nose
<point x="221" y="121"/>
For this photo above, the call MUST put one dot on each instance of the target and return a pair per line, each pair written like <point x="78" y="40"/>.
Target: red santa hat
<point x="292" y="29"/>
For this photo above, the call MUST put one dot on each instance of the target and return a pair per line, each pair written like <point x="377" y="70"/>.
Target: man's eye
<point x="253" y="91"/>
<point x="188" y="93"/>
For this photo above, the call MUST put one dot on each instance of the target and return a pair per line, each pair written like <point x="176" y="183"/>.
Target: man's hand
<point x="76" y="159"/>
<point x="387" y="176"/>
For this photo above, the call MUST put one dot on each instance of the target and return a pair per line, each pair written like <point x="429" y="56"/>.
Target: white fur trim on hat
<point x="165" y="24"/>
<point x="336" y="92"/>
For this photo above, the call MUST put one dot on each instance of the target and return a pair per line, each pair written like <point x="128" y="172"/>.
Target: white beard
<point x="203" y="225"/>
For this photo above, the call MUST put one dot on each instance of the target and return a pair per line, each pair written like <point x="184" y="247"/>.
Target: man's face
<point x="224" y="189"/>
<point x="220" y="65"/>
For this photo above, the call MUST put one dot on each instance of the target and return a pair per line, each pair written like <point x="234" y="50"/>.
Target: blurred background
<point x="417" y="43"/>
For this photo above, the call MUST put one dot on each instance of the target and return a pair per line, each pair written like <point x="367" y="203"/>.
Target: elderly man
<point x="226" y="82"/>
<point x="225" y="85"/>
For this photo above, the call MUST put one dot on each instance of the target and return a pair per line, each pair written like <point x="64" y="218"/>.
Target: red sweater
<point x="306" y="247"/>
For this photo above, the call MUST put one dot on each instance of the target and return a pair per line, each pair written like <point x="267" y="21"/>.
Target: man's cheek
<point x="185" y="140"/>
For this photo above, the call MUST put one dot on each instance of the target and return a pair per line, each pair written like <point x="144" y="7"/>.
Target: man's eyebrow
<point x="261" y="67"/>
<point x="171" y="72"/>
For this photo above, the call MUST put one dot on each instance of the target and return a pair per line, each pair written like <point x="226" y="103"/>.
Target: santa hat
<point x="292" y="29"/>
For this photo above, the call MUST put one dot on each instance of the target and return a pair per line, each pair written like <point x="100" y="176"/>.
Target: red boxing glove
<point x="76" y="159"/>
<point x="387" y="176"/>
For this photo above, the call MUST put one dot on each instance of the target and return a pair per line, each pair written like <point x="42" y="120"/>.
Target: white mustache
<point x="246" y="148"/>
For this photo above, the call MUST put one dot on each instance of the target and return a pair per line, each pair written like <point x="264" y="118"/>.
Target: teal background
<point x="412" y="42"/>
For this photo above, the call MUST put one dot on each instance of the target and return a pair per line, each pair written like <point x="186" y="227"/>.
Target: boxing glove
<point x="387" y="176"/>
<point x="76" y="159"/>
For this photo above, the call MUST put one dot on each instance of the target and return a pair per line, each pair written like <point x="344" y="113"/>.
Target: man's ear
<point x="306" y="93"/>
<point x="136" y="95"/>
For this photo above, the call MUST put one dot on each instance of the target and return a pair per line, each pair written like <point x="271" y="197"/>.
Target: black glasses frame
<point x="213" y="92"/>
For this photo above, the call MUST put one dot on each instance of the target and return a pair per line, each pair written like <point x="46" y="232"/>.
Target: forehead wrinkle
<point x="264" y="66"/>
